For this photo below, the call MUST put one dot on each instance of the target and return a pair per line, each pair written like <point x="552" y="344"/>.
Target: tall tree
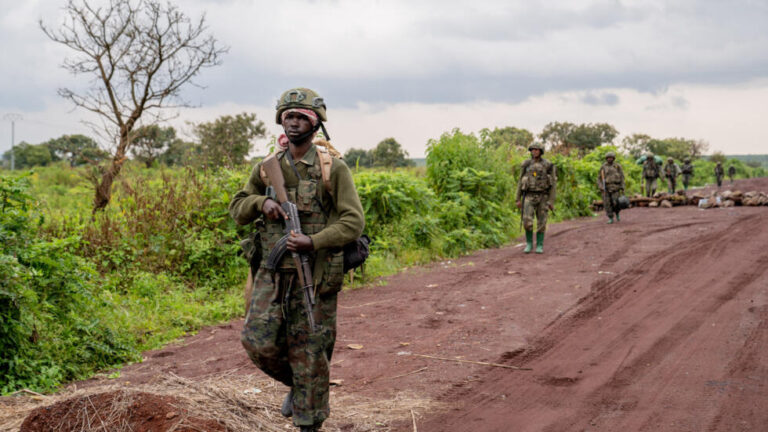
<point x="555" y="136"/>
<point x="389" y="153"/>
<point x="137" y="55"/>
<point x="180" y="153"/>
<point x="636" y="144"/>
<point x="227" y="140"/>
<point x="149" y="142"/>
<point x="76" y="149"/>
<point x="564" y="137"/>
<point x="508" y="137"/>
<point x="29" y="155"/>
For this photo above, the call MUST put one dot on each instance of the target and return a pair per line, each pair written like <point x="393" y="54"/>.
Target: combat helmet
<point x="669" y="159"/>
<point x="610" y="154"/>
<point x="687" y="160"/>
<point x="300" y="98"/>
<point x="536" y="145"/>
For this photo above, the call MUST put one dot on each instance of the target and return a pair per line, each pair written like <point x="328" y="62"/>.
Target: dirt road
<point x="656" y="323"/>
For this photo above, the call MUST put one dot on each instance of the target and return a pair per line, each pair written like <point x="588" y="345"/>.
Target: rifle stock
<point x="292" y="225"/>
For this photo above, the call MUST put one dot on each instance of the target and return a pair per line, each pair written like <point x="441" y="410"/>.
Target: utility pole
<point x="13" y="117"/>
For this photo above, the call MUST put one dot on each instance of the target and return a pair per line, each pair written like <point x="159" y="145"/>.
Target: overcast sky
<point x="413" y="70"/>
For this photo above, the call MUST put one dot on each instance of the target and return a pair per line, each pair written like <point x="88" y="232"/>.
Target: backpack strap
<point x="326" y="162"/>
<point x="263" y="174"/>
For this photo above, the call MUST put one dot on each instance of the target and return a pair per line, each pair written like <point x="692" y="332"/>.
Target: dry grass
<point x="240" y="402"/>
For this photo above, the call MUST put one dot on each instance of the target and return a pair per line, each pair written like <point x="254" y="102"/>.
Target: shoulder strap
<point x="263" y="174"/>
<point x="326" y="162"/>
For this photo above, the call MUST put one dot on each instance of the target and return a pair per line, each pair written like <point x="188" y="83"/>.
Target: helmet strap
<point x="299" y="140"/>
<point x="325" y="132"/>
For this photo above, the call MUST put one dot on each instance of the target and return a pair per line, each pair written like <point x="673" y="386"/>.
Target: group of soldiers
<point x="290" y="334"/>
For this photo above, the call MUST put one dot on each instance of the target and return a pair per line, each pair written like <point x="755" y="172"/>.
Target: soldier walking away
<point x="731" y="172"/>
<point x="671" y="171"/>
<point x="536" y="195"/>
<point x="719" y="174"/>
<point x="285" y="335"/>
<point x="687" y="173"/>
<point x="611" y="183"/>
<point x="650" y="174"/>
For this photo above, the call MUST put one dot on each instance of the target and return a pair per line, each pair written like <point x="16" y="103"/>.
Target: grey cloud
<point x="600" y="99"/>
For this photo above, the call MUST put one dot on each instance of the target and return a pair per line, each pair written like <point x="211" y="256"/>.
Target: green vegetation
<point x="82" y="292"/>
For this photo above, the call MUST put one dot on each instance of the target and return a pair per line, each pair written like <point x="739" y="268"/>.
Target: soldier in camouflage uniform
<point x="536" y="195"/>
<point x="277" y="336"/>
<point x="719" y="174"/>
<point x="611" y="184"/>
<point x="731" y="172"/>
<point x="650" y="174"/>
<point x="687" y="173"/>
<point x="671" y="171"/>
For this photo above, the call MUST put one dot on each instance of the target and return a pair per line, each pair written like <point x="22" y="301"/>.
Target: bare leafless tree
<point x="138" y="53"/>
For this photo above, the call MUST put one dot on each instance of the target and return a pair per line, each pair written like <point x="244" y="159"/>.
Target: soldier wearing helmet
<point x="687" y="172"/>
<point x="611" y="183"/>
<point x="651" y="171"/>
<point x="536" y="195"/>
<point x="731" y="172"/>
<point x="277" y="336"/>
<point x="671" y="171"/>
<point x="719" y="174"/>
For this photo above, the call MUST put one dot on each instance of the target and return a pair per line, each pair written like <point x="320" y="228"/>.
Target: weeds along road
<point x="657" y="323"/>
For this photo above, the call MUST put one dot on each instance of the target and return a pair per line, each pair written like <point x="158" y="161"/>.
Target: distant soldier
<point x="731" y="172"/>
<point x="611" y="183"/>
<point x="719" y="174"/>
<point x="536" y="195"/>
<point x="650" y="174"/>
<point x="687" y="173"/>
<point x="671" y="171"/>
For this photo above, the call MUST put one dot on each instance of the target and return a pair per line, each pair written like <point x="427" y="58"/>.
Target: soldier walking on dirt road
<point x="536" y="195"/>
<point x="671" y="171"/>
<point x="650" y="174"/>
<point x="687" y="173"/>
<point x="731" y="172"/>
<point x="611" y="183"/>
<point x="278" y="334"/>
<point x="719" y="174"/>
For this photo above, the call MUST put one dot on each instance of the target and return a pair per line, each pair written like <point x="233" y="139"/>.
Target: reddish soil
<point x="656" y="323"/>
<point x="116" y="411"/>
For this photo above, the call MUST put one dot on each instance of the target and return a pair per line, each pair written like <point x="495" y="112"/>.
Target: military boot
<point x="610" y="220"/>
<point x="287" y="409"/>
<point x="528" y="241"/>
<point x="618" y="219"/>
<point x="313" y="428"/>
<point x="539" y="242"/>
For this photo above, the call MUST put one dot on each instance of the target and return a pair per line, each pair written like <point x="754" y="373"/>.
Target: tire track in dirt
<point x="625" y="354"/>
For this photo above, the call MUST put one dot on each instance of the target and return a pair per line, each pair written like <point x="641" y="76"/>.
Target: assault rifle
<point x="292" y="225"/>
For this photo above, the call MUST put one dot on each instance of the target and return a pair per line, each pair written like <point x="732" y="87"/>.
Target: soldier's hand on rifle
<point x="517" y="203"/>
<point x="273" y="210"/>
<point x="300" y="243"/>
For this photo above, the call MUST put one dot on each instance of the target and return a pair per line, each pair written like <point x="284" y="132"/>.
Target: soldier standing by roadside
<point x="731" y="172"/>
<point x="611" y="183"/>
<point x="650" y="174"/>
<point x="277" y="334"/>
<point x="671" y="171"/>
<point x="719" y="174"/>
<point x="536" y="195"/>
<point x="687" y="173"/>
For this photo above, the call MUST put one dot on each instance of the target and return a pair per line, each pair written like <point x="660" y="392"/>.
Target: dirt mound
<point x="117" y="411"/>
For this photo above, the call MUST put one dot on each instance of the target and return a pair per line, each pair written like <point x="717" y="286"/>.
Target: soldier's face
<point x="609" y="160"/>
<point x="296" y="124"/>
<point x="535" y="153"/>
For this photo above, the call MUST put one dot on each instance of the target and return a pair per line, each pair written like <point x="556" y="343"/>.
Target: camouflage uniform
<point x="614" y="186"/>
<point x="671" y="171"/>
<point x="650" y="173"/>
<point x="731" y="172"/>
<point x="276" y="336"/>
<point x="538" y="180"/>
<point x="687" y="173"/>
<point x="719" y="174"/>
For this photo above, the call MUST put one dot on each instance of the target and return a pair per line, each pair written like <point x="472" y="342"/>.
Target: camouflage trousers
<point x="719" y="180"/>
<point x="278" y="340"/>
<point x="610" y="202"/>
<point x="686" y="180"/>
<point x="650" y="186"/>
<point x="535" y="206"/>
<point x="671" y="184"/>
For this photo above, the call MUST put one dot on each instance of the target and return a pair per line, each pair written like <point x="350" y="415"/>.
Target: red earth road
<point x="657" y="323"/>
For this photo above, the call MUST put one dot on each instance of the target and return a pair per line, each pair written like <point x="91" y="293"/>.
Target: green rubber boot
<point x="618" y="219"/>
<point x="539" y="242"/>
<point x="528" y="241"/>
<point x="610" y="220"/>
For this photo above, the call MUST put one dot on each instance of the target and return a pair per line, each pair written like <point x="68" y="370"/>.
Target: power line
<point x="13" y="117"/>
